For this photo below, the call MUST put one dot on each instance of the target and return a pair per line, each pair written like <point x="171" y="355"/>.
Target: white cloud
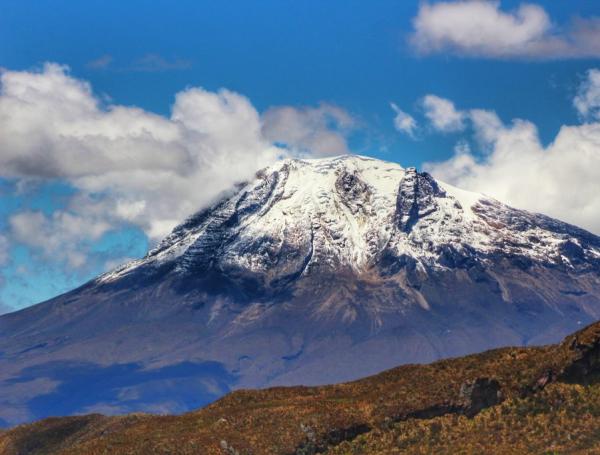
<point x="561" y="179"/>
<point x="62" y="236"/>
<point x="442" y="114"/>
<point x="316" y="130"/>
<point x="403" y="121"/>
<point x="587" y="101"/>
<point x="150" y="170"/>
<point x="481" y="28"/>
<point x="462" y="147"/>
<point x="132" y="167"/>
<point x="487" y="126"/>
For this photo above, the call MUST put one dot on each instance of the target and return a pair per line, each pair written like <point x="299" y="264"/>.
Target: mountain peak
<point x="349" y="212"/>
<point x="342" y="211"/>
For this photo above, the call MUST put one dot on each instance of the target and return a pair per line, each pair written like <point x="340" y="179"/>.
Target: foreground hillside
<point x="510" y="400"/>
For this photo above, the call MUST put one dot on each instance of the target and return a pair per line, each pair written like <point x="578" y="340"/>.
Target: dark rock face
<point x="353" y="192"/>
<point x="316" y="272"/>
<point x="586" y="368"/>
<point x="417" y="197"/>
<point x="480" y="394"/>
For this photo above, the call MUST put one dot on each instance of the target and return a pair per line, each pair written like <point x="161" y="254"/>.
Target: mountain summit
<point x="316" y="271"/>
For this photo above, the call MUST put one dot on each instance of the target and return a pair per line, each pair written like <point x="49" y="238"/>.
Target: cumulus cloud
<point x="130" y="167"/>
<point x="482" y="29"/>
<point x="442" y="114"/>
<point x="316" y="130"/>
<point x="587" y="101"/>
<point x="145" y="169"/>
<point x="404" y="122"/>
<point x="561" y="179"/>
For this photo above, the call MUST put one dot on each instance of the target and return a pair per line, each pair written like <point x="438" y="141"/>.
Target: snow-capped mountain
<point x="355" y="213"/>
<point x="316" y="271"/>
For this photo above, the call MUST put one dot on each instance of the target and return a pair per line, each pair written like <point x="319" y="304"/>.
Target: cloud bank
<point x="130" y="167"/>
<point x="152" y="171"/>
<point x="561" y="179"/>
<point x="482" y="29"/>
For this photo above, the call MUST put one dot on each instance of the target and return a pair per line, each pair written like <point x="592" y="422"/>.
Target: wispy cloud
<point x="151" y="63"/>
<point x="100" y="63"/>
<point x="404" y="122"/>
<point x="148" y="63"/>
<point x="482" y="29"/>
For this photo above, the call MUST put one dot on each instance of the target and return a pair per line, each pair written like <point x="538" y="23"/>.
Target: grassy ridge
<point x="563" y="418"/>
<point x="510" y="400"/>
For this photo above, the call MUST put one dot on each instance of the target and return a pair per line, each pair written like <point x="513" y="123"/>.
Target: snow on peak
<point x="346" y="211"/>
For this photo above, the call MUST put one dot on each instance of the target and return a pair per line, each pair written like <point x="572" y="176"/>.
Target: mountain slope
<point x="510" y="400"/>
<point x="316" y="271"/>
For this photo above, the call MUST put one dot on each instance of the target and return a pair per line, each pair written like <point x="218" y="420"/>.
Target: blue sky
<point x="351" y="53"/>
<point x="335" y="66"/>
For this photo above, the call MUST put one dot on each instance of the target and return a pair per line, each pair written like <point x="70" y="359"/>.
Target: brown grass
<point x="409" y="409"/>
